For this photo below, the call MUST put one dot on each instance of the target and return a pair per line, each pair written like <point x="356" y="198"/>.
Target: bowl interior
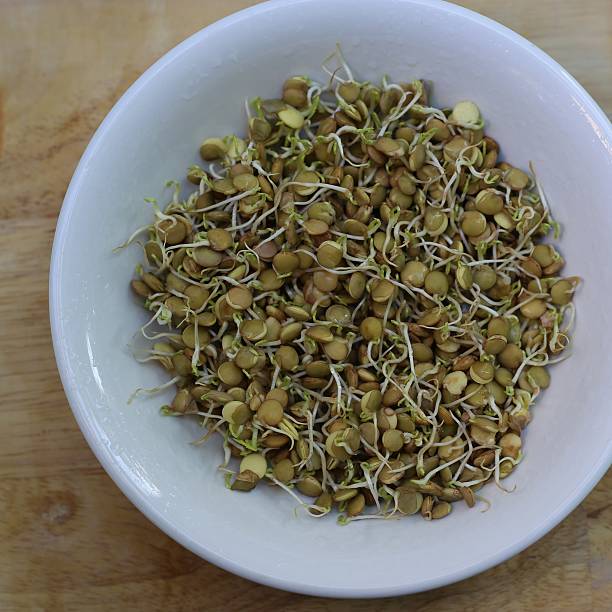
<point x="532" y="108"/>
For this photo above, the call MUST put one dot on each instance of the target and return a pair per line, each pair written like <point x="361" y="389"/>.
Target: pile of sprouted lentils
<point x="356" y="298"/>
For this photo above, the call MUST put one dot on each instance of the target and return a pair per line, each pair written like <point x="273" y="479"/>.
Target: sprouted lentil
<point x="357" y="299"/>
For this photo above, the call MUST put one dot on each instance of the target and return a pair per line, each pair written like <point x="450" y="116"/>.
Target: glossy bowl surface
<point x="535" y="110"/>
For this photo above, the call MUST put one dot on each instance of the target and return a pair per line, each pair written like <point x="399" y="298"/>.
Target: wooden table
<point x="69" y="540"/>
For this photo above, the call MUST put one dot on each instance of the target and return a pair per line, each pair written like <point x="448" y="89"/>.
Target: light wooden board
<point x="69" y="540"/>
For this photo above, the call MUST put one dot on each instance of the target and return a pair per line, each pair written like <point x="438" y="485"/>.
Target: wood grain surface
<point x="69" y="540"/>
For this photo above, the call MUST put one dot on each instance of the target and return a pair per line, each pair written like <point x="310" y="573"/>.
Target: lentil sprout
<point x="357" y="298"/>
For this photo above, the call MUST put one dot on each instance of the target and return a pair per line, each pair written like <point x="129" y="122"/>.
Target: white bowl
<point x="533" y="108"/>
